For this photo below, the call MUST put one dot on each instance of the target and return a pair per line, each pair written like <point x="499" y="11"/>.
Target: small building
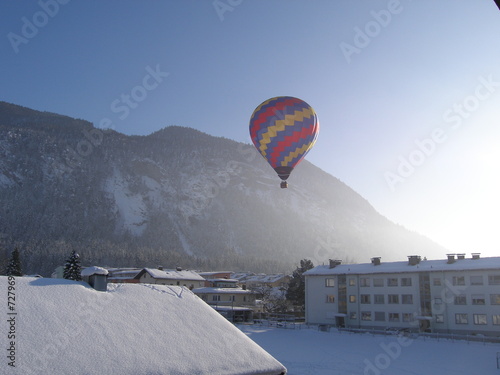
<point x="96" y="277"/>
<point x="178" y="277"/>
<point x="214" y="275"/>
<point x="222" y="283"/>
<point x="123" y="275"/>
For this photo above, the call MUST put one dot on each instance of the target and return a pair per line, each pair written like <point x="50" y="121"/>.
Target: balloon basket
<point x="284" y="184"/>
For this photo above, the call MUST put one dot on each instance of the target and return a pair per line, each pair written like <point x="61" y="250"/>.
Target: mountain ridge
<point x="177" y="196"/>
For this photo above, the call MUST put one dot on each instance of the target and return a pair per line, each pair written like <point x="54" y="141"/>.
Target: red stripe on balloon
<point x="289" y="140"/>
<point x="270" y="112"/>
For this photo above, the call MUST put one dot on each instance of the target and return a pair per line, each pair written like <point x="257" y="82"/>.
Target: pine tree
<point x="297" y="286"/>
<point x="14" y="265"/>
<point x="72" y="268"/>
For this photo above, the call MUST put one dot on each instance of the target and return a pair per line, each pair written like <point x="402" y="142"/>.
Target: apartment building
<point x="453" y="295"/>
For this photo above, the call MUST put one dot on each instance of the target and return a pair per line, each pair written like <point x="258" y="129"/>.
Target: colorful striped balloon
<point x="284" y="129"/>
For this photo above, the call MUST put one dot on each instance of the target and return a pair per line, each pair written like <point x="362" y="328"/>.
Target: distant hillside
<point x="175" y="197"/>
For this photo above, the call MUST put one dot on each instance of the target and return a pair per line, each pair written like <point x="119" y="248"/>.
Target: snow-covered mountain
<point x="175" y="197"/>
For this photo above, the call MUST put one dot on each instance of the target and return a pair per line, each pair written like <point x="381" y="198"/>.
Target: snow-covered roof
<point x="66" y="327"/>
<point x="222" y="290"/>
<point x="491" y="263"/>
<point x="94" y="270"/>
<point x="171" y="274"/>
<point x="214" y="273"/>
<point x="241" y="276"/>
<point x="224" y="280"/>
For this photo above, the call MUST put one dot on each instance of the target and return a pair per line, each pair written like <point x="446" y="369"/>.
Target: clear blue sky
<point x="406" y="91"/>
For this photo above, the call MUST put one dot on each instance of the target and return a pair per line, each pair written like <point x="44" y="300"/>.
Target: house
<point x="123" y="275"/>
<point x="130" y="329"/>
<point x="96" y="277"/>
<point x="178" y="277"/>
<point x="454" y="295"/>
<point x="234" y="303"/>
<point x="222" y="283"/>
<point x="215" y="275"/>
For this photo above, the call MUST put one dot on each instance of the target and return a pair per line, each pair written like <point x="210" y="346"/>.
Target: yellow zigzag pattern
<point x="279" y="125"/>
<point x="297" y="152"/>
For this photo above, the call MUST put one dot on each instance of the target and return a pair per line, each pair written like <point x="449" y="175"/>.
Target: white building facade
<point x="454" y="295"/>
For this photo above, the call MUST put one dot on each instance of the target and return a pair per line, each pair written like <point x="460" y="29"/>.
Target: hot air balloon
<point x="284" y="129"/>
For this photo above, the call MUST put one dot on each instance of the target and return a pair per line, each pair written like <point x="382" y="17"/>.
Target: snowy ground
<point x="309" y="351"/>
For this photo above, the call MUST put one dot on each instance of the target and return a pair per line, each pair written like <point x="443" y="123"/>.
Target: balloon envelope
<point x="284" y="129"/>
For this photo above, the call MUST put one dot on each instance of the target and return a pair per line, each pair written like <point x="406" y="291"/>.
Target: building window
<point x="393" y="298"/>
<point x="438" y="301"/>
<point x="353" y="315"/>
<point x="394" y="317"/>
<point x="478" y="299"/>
<point x="406" y="281"/>
<point x="364" y="281"/>
<point x="407" y="299"/>
<point x="378" y="299"/>
<point x="461" y="319"/>
<point x="496" y="320"/>
<point x="476" y="280"/>
<point x="364" y="298"/>
<point x="330" y="298"/>
<point x="379" y="316"/>
<point x="231" y="298"/>
<point x="495" y="299"/>
<point x="439" y="318"/>
<point x="458" y="280"/>
<point x="352" y="281"/>
<point x="494" y="279"/>
<point x="215" y="298"/>
<point x="352" y="298"/>
<point x="407" y="317"/>
<point x="480" y="319"/>
<point x="461" y="300"/>
<point x="329" y="282"/>
<point x="436" y="282"/>
<point x="378" y="282"/>
<point x="366" y="315"/>
<point x="392" y="281"/>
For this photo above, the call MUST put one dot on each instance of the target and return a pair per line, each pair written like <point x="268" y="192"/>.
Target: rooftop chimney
<point x="376" y="261"/>
<point x="451" y="258"/>
<point x="413" y="260"/>
<point x="335" y="262"/>
<point x="460" y="256"/>
<point x="476" y="255"/>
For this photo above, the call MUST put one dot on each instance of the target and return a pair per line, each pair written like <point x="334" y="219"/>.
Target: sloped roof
<point x="66" y="327"/>
<point x="171" y="274"/>
<point x="94" y="270"/>
<point x="491" y="263"/>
